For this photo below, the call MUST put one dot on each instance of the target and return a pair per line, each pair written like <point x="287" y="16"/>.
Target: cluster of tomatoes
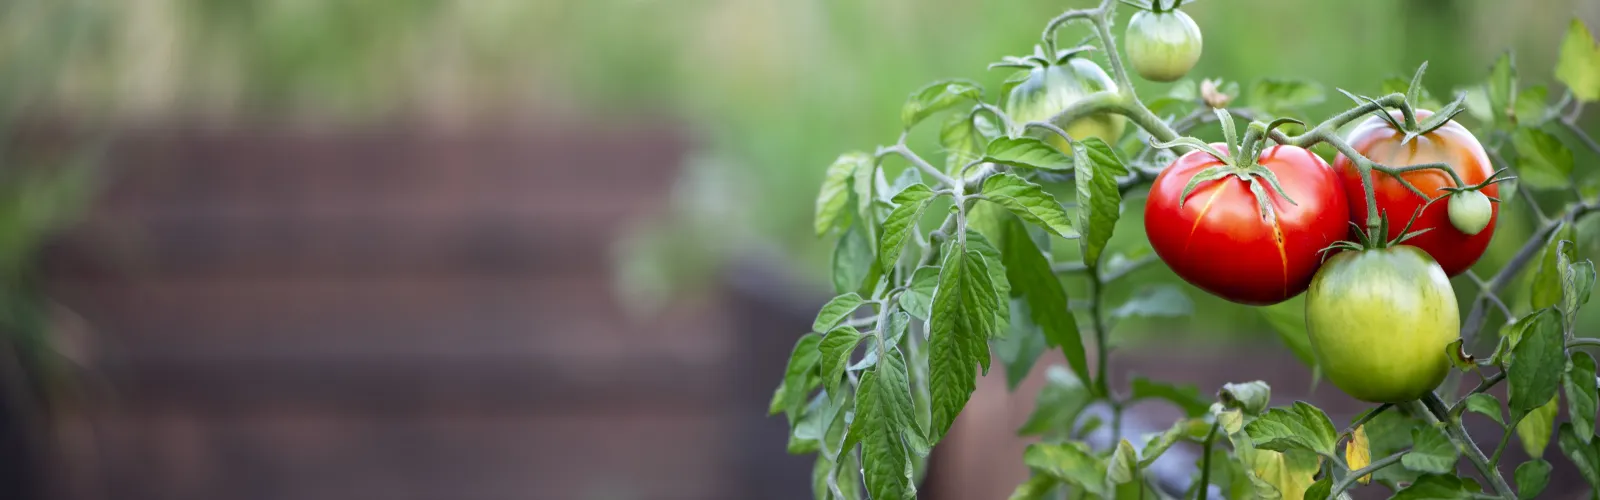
<point x="1215" y="233"/>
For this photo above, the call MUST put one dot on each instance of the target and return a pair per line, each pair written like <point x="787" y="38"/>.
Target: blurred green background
<point x="771" y="90"/>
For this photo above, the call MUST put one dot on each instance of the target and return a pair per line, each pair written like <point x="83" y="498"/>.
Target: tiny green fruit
<point x="1470" y="211"/>
<point x="1379" y="321"/>
<point x="1163" y="46"/>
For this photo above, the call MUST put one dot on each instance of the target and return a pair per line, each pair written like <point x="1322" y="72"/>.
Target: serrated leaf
<point x="1358" y="454"/>
<point x="1099" y="201"/>
<point x="1388" y="433"/>
<point x="1160" y="443"/>
<point x="1577" y="282"/>
<point x="864" y="186"/>
<point x="1536" y="364"/>
<point x="1486" y="405"/>
<point x="961" y="141"/>
<point x="1585" y="457"/>
<point x="1277" y="95"/>
<point x="799" y="378"/>
<point x="1530" y="109"/>
<point x="1252" y="397"/>
<point x="938" y="96"/>
<point x="1030" y="275"/>
<point x="879" y="418"/>
<point x="1434" y="487"/>
<point x="1543" y="162"/>
<point x="1026" y="152"/>
<point x="1545" y="291"/>
<point x="897" y="227"/>
<point x="1071" y="463"/>
<point x="1581" y="392"/>
<point x="1030" y="202"/>
<point x="1502" y="89"/>
<point x="1038" y="487"/>
<point x="992" y="260"/>
<point x="852" y="260"/>
<point x="1271" y="474"/>
<point x="1532" y="476"/>
<point x="836" y="310"/>
<point x="918" y="298"/>
<point x="1021" y="349"/>
<point x="1302" y="426"/>
<point x="1533" y="429"/>
<point x="962" y="321"/>
<point x="1122" y="467"/>
<point x="1060" y="401"/>
<point x="1579" y="66"/>
<point x="1155" y="301"/>
<point x="834" y="353"/>
<point x="835" y="193"/>
<point x="1186" y="396"/>
<point x="1431" y="451"/>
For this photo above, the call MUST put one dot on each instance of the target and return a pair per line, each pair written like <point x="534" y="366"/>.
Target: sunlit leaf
<point x="835" y="193"/>
<point x="1099" y="200"/>
<point x="938" y="96"/>
<point x="1542" y="160"/>
<point x="1579" y="66"/>
<point x="1301" y="426"/>
<point x="1030" y="202"/>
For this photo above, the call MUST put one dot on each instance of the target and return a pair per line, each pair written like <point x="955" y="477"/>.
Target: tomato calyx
<point x="1154" y="6"/>
<point x="1040" y="59"/>
<point x="1408" y="110"/>
<point x="1375" y="239"/>
<point x="1243" y="165"/>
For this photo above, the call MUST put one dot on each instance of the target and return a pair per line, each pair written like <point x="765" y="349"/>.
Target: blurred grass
<point x="772" y="89"/>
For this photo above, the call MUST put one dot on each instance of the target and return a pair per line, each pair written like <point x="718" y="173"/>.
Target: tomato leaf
<point x="834" y="353"/>
<point x="1486" y="405"/>
<point x="852" y="260"/>
<point x="1581" y="392"/>
<point x="897" y="227"/>
<point x="1533" y="429"/>
<point x="1579" y="66"/>
<point x="799" y="378"/>
<point x="1536" y="363"/>
<point x="997" y="277"/>
<point x="1186" y="396"/>
<point x="1060" y="401"/>
<point x="1532" y="476"/>
<point x="1302" y="426"/>
<point x="1546" y="288"/>
<point x="1252" y="397"/>
<point x="1502" y="89"/>
<point x="1434" y="487"/>
<point x="1543" y="162"/>
<point x="1277" y="96"/>
<point x="1530" y="108"/>
<point x="1431" y="451"/>
<point x="1160" y="443"/>
<point x="1072" y="463"/>
<point x="1271" y="474"/>
<point x="935" y="97"/>
<point x="1096" y="168"/>
<point x="1577" y="280"/>
<point x="1029" y="273"/>
<point x="963" y="319"/>
<point x="961" y="141"/>
<point x="1038" y="487"/>
<point x="1586" y="457"/>
<point x="1030" y="202"/>
<point x="1026" y="152"/>
<point x="918" y="297"/>
<point x="882" y="422"/>
<point x="835" y="310"/>
<point x="835" y="190"/>
<point x="1358" y="454"/>
<point x="1123" y="466"/>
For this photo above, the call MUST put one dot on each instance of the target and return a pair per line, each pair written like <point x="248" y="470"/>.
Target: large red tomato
<point x="1218" y="239"/>
<point x="1451" y="144"/>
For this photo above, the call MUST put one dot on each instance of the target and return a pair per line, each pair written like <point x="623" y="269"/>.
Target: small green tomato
<point x="1470" y="211"/>
<point x="1163" y="46"/>
<point x="1379" y="321"/>
<point x="1051" y="90"/>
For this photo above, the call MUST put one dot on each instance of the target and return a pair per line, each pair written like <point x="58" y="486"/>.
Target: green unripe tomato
<point x="1163" y="46"/>
<point x="1048" y="91"/>
<point x="1470" y="211"/>
<point x="1379" y="322"/>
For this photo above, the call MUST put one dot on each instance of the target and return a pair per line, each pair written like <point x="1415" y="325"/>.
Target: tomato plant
<point x="1212" y="221"/>
<point x="1386" y="140"/>
<point x="891" y="362"/>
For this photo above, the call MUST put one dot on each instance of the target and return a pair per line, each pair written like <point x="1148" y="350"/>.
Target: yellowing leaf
<point x="1357" y="453"/>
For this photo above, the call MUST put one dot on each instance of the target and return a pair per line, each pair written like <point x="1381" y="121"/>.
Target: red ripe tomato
<point x="1218" y="239"/>
<point x="1451" y="144"/>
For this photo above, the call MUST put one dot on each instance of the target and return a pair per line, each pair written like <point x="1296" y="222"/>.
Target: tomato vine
<point x="934" y="307"/>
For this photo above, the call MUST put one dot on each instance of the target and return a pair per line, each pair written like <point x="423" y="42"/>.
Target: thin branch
<point x="1572" y="126"/>
<point x="1583" y="342"/>
<point x="900" y="149"/>
<point x="1351" y="478"/>
<point x="1364" y="419"/>
<point x="1437" y="412"/>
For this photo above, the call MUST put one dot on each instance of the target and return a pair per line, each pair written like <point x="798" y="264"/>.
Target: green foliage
<point x="1026" y="152"/>
<point x="1532" y="476"/>
<point x="1431" y="451"/>
<point x="1030" y="202"/>
<point x="1099" y="201"/>
<point x="1579" y="67"/>
<point x="964" y="308"/>
<point x="1302" y="426"/>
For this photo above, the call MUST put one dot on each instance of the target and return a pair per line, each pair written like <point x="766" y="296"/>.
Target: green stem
<point x="1102" y="28"/>
<point x="1366" y="418"/>
<point x="1351" y="478"/>
<point x="1582" y="136"/>
<point x="1437" y="412"/>
<point x="900" y="149"/>
<point x="1583" y="342"/>
<point x="1205" y="463"/>
<point x="1505" y="439"/>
